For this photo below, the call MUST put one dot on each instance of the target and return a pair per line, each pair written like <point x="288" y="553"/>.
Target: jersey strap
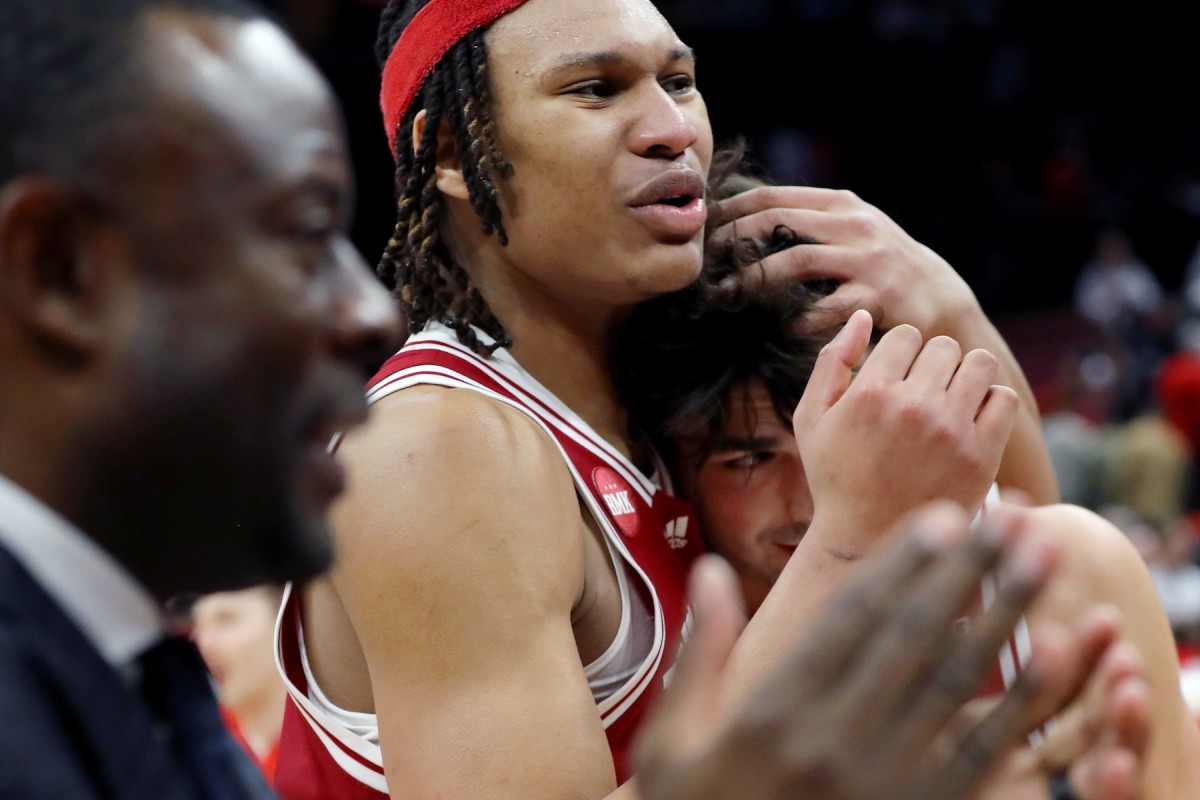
<point x="652" y="530"/>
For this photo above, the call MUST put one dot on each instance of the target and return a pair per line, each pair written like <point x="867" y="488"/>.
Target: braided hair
<point x="416" y="264"/>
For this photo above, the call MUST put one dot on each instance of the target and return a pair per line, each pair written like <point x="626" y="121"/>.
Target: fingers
<point x="936" y="366"/>
<point x="893" y="357"/>
<point x="1117" y="729"/>
<point x="755" y="201"/>
<point x="833" y="310"/>
<point x="1096" y="636"/>
<point x="968" y="389"/>
<point x="687" y="712"/>
<point x="1129" y="714"/>
<point x="919" y="648"/>
<point x="997" y="416"/>
<point x="832" y="373"/>
<point x="877" y="592"/>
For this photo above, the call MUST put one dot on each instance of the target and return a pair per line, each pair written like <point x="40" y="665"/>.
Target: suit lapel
<point x="112" y="731"/>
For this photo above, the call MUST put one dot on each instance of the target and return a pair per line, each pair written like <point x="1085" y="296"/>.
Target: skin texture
<point x="749" y="492"/>
<point x="184" y="320"/>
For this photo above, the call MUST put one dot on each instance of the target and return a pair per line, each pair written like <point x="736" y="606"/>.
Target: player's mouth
<point x="672" y="203"/>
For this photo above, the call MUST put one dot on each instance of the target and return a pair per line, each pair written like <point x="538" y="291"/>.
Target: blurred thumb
<point x="688" y="713"/>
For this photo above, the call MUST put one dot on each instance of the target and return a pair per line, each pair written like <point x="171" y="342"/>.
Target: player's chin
<point x="671" y="267"/>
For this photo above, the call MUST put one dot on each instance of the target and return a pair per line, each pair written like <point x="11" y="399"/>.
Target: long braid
<point x="416" y="263"/>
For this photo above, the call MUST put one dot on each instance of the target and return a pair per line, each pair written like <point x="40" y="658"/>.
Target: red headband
<point x="433" y="31"/>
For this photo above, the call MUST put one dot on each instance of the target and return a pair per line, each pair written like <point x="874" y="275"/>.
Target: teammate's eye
<point x="679" y="84"/>
<point x="598" y="90"/>
<point x="747" y="460"/>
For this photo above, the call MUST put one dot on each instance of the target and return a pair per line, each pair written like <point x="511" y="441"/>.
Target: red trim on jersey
<point x="663" y="564"/>
<point x="305" y="768"/>
<point x="308" y="769"/>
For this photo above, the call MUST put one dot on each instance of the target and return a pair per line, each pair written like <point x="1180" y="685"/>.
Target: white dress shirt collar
<point x="112" y="609"/>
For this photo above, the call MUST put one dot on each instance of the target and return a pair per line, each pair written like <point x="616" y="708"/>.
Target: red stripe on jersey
<point x="636" y="516"/>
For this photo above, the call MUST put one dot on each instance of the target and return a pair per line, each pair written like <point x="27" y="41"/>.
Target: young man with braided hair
<point x="721" y="383"/>
<point x="509" y="595"/>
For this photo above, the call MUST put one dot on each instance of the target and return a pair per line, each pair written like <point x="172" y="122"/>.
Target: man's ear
<point x="53" y="280"/>
<point x="449" y="173"/>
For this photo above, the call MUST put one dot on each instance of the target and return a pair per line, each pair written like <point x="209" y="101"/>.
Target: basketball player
<point x="551" y="164"/>
<point x="718" y="381"/>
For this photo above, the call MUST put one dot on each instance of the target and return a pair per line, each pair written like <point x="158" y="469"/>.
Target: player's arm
<point x="919" y="422"/>
<point x="1101" y="566"/>
<point x="882" y="269"/>
<point x="857" y="709"/>
<point x="459" y="560"/>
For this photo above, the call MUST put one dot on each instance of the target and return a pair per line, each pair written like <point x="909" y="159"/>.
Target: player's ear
<point x="448" y="168"/>
<point x="62" y="273"/>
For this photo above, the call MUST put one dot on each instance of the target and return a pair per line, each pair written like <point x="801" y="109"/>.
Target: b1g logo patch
<point x="618" y="498"/>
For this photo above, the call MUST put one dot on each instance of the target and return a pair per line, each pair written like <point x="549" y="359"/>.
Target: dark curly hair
<point x="416" y="264"/>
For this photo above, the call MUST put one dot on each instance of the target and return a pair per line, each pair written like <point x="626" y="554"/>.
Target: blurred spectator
<point x="1123" y="297"/>
<point x="235" y="634"/>
<point x="1146" y="470"/>
<point x="1116" y="289"/>
<point x="1177" y="577"/>
<point x="1074" y="428"/>
<point x="1177" y="387"/>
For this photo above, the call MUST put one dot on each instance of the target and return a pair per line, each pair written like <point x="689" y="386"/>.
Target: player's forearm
<point x="811" y="576"/>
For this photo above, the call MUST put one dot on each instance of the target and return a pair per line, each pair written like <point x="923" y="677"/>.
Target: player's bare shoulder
<point x="443" y="469"/>
<point x="1096" y="554"/>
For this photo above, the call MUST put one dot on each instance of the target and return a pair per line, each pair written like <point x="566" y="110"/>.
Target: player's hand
<point x="1099" y="744"/>
<point x="920" y="421"/>
<point x="858" y="708"/>
<point x="876" y="264"/>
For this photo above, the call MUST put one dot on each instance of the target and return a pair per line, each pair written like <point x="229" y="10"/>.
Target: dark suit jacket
<point x="70" y="727"/>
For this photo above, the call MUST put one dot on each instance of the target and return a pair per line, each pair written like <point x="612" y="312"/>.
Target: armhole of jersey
<point x="604" y="659"/>
<point x="613" y="706"/>
<point x="1016" y="651"/>
<point x="354" y="755"/>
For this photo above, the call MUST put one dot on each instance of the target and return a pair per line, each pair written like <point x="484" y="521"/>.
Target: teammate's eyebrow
<point x="606" y="58"/>
<point x="728" y="443"/>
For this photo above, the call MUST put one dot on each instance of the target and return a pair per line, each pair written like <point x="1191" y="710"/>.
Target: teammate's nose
<point x="664" y="129"/>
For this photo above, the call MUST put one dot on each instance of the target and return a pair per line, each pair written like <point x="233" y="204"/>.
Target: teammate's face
<point x="251" y="312"/>
<point x="235" y="633"/>
<point x="598" y="112"/>
<point x="750" y="494"/>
